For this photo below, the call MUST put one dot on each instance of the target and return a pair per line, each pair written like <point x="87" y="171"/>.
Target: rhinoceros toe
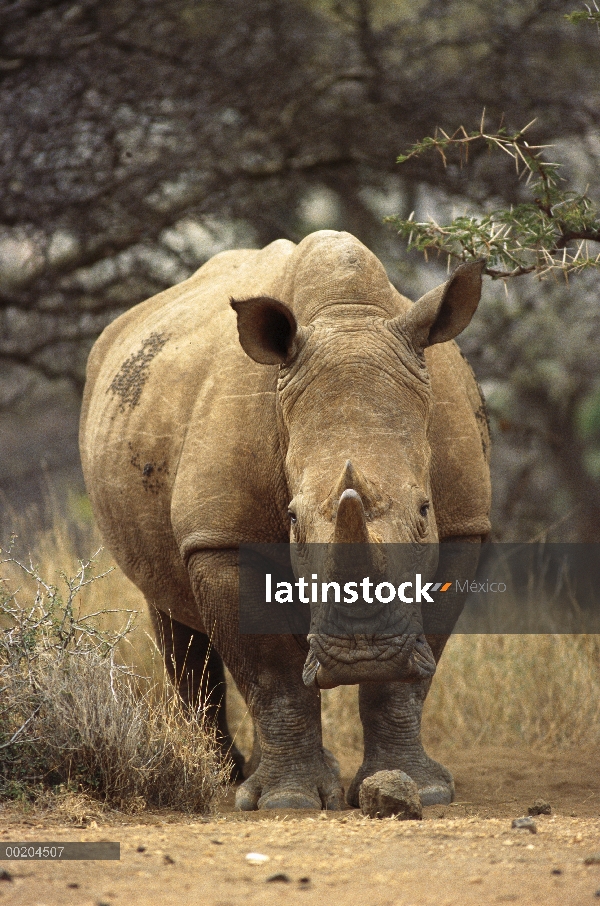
<point x="437" y="794"/>
<point x="250" y="797"/>
<point x="289" y="799"/>
<point x="246" y="799"/>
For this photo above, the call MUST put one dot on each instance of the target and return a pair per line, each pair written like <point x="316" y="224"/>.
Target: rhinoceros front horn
<point x="350" y="521"/>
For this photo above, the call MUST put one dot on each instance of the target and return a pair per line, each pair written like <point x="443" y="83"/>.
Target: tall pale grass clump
<point x="73" y="714"/>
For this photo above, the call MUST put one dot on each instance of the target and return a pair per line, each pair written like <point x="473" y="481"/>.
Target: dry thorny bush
<point x="73" y="718"/>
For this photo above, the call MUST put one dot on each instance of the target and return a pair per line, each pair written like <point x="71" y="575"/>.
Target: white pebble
<point x="256" y="858"/>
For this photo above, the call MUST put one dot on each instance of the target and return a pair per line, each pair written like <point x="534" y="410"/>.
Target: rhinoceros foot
<point x="434" y="782"/>
<point x="317" y="787"/>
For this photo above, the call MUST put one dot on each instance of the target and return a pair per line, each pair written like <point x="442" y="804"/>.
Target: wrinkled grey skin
<point x="336" y="412"/>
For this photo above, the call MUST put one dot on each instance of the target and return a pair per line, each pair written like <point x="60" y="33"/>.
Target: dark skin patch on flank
<point x="131" y="377"/>
<point x="152" y="473"/>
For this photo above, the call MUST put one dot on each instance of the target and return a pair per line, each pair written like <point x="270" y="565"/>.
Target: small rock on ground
<point x="390" y="793"/>
<point x="525" y="824"/>
<point x="540" y="807"/>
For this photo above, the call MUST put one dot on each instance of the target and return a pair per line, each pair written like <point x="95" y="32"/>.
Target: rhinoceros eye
<point x="424" y="510"/>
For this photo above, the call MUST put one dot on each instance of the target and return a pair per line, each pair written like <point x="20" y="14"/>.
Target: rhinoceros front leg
<point x="391" y="712"/>
<point x="294" y="770"/>
<point x="391" y="718"/>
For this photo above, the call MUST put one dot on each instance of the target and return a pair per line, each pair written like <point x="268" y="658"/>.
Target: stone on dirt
<point x="540" y="807"/>
<point x="525" y="823"/>
<point x="256" y="858"/>
<point x="279" y="877"/>
<point x="390" y="793"/>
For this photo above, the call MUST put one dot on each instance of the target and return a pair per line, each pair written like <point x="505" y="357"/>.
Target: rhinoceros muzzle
<point x="334" y="661"/>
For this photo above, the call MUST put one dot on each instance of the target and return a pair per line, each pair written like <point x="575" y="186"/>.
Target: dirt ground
<point x="465" y="853"/>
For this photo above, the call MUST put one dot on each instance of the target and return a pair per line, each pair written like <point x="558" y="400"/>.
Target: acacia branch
<point x="534" y="237"/>
<point x="570" y="236"/>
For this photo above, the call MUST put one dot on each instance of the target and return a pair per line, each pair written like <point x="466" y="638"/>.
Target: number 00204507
<point x="34" y="852"/>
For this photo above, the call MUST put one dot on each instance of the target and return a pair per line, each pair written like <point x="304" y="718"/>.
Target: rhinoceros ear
<point x="267" y="329"/>
<point x="443" y="312"/>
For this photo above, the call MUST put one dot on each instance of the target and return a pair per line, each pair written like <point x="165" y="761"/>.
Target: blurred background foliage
<point x="138" y="138"/>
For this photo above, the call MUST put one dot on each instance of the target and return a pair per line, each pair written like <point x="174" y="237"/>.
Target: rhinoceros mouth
<point x="339" y="661"/>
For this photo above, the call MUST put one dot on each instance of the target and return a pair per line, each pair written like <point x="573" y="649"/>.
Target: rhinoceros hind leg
<point x="252" y="763"/>
<point x="196" y="669"/>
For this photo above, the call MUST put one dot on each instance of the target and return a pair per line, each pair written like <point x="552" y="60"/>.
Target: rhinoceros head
<point x="354" y="403"/>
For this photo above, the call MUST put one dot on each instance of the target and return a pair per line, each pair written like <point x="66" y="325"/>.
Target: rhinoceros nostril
<point x="311" y="667"/>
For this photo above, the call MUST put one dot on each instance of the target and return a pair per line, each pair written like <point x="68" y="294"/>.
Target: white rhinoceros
<point x="328" y="397"/>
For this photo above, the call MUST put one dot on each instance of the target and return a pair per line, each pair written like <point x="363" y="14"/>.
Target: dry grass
<point x="93" y="731"/>
<point x="505" y="690"/>
<point x="73" y="715"/>
<point x="535" y="689"/>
